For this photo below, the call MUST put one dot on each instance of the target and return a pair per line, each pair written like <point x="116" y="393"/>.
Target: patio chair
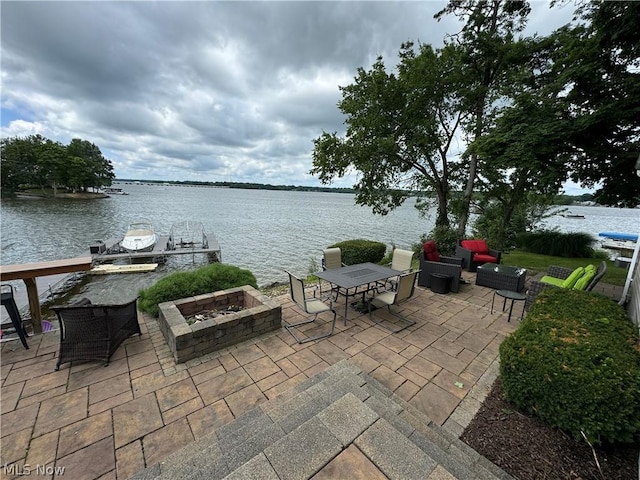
<point x="94" y="332"/>
<point x="331" y="259"/>
<point x="561" y="277"/>
<point x="312" y="306"/>
<point x="406" y="287"/>
<point x="9" y="303"/>
<point x="401" y="261"/>
<point x="431" y="262"/>
<point x="475" y="253"/>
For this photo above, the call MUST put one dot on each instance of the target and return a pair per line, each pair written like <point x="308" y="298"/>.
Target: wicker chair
<point x="536" y="286"/>
<point x="94" y="332"/>
<point x="449" y="266"/>
<point x="475" y="253"/>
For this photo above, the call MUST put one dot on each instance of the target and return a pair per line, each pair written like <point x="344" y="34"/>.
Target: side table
<point x="508" y="295"/>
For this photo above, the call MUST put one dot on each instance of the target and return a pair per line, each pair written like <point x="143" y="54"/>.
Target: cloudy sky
<point x="209" y="91"/>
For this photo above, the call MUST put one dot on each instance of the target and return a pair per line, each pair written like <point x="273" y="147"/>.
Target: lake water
<point x="264" y="231"/>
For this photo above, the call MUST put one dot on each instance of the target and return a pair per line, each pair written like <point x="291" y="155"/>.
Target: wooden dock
<point x="110" y="250"/>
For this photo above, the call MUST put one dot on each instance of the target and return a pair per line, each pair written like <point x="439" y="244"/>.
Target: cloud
<point x="199" y="90"/>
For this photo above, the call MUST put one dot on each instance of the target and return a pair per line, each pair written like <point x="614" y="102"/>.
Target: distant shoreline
<point x="76" y="196"/>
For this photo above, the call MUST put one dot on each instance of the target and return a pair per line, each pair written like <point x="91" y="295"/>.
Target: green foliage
<point x="559" y="244"/>
<point x="38" y="162"/>
<point x="574" y="363"/>
<point x="361" y="251"/>
<point x="210" y="278"/>
<point x="446" y="239"/>
<point x="497" y="228"/>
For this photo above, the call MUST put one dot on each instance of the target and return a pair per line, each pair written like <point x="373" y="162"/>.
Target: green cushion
<point x="571" y="280"/>
<point x="584" y="281"/>
<point x="552" y="280"/>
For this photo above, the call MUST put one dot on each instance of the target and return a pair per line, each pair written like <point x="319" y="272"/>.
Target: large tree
<point x="597" y="64"/>
<point x="400" y="127"/>
<point x="36" y="161"/>
<point x="490" y="53"/>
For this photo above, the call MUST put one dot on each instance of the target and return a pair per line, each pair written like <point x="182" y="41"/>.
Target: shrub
<point x="574" y="363"/>
<point x="211" y="278"/>
<point x="361" y="251"/>
<point x="557" y="244"/>
<point x="446" y="239"/>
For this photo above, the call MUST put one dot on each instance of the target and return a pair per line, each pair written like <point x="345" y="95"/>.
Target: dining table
<point x="349" y="280"/>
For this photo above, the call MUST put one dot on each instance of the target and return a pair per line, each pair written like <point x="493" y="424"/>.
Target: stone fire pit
<point x="258" y="315"/>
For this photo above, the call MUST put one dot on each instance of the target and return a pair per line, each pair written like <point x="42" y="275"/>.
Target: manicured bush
<point x="361" y="251"/>
<point x="557" y="244"/>
<point x="575" y="363"/>
<point x="211" y="278"/>
<point x="446" y="239"/>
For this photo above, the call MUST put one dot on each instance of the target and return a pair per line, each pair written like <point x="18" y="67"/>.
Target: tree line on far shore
<point x="38" y="162"/>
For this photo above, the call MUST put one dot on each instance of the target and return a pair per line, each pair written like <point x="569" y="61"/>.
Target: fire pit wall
<point x="258" y="316"/>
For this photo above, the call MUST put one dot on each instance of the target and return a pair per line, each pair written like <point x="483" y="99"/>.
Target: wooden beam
<point x="28" y="273"/>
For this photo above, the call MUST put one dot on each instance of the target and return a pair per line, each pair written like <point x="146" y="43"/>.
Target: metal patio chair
<point x="312" y="306"/>
<point x="406" y="287"/>
<point x="401" y="261"/>
<point x="331" y="259"/>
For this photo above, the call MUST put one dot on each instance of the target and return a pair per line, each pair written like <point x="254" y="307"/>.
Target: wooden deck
<point x="28" y="272"/>
<point x="160" y="250"/>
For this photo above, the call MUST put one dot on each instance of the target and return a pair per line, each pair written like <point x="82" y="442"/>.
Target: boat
<point x="572" y="215"/>
<point x="140" y="237"/>
<point x="622" y="243"/>
<point x="113" y="191"/>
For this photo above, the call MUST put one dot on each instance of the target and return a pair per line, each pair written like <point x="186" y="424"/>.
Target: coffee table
<point x="501" y="277"/>
<point x="349" y="278"/>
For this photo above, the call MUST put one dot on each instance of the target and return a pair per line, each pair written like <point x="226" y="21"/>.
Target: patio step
<point x="297" y="433"/>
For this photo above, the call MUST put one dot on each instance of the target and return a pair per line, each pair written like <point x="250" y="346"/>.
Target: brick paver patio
<point x="94" y="422"/>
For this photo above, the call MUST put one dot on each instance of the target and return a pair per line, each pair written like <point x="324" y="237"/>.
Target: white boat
<point x="140" y="237"/>
<point x="113" y="191"/>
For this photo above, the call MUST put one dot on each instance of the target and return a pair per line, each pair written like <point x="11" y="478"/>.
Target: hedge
<point x="361" y="251"/>
<point x="574" y="362"/>
<point x="210" y="278"/>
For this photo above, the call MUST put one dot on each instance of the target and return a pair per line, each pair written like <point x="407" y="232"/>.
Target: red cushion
<point x="482" y="257"/>
<point x="476" y="246"/>
<point x="430" y="251"/>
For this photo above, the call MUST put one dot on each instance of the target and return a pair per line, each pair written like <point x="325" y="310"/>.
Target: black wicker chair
<point x="449" y="266"/>
<point x="536" y="286"/>
<point x="469" y="251"/>
<point x="94" y="332"/>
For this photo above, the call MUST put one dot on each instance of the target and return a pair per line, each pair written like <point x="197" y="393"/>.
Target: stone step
<point x="295" y="434"/>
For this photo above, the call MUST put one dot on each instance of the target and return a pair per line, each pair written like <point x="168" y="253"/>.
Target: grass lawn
<point x="538" y="263"/>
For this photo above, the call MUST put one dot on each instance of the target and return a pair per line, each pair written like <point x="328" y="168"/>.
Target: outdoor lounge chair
<point x="476" y="252"/>
<point x="557" y="276"/>
<point x="312" y="306"/>
<point x="406" y="287"/>
<point x="94" y="332"/>
<point x="432" y="262"/>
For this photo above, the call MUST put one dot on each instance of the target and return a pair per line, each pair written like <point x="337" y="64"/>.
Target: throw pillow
<point x="571" y="280"/>
<point x="585" y="280"/>
<point x="430" y="251"/>
<point x="476" y="246"/>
